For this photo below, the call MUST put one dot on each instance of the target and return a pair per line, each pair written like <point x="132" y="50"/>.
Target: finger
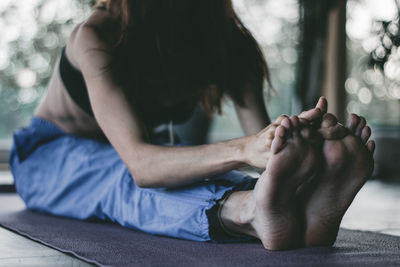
<point x="271" y="132"/>
<point x="273" y="125"/>
<point x="266" y="129"/>
<point x="280" y="119"/>
<point x="268" y="143"/>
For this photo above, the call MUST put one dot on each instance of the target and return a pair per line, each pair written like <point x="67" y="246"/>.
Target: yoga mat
<point x="107" y="244"/>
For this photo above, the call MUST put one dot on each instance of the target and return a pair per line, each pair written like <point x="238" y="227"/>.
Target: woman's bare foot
<point x="348" y="165"/>
<point x="270" y="212"/>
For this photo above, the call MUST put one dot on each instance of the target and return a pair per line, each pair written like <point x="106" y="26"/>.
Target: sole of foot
<point x="348" y="163"/>
<point x="276" y="217"/>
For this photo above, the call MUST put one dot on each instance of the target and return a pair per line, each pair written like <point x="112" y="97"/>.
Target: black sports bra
<point x="76" y="87"/>
<point x="75" y="84"/>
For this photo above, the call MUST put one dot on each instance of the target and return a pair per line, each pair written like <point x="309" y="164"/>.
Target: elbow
<point x="141" y="179"/>
<point x="142" y="170"/>
<point x="148" y="182"/>
<point x="143" y="183"/>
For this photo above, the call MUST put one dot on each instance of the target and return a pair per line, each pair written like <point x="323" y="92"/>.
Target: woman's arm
<point x="253" y="115"/>
<point x="257" y="126"/>
<point x="150" y="165"/>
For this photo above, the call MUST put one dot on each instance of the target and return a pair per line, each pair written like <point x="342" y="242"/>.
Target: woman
<point x="92" y="149"/>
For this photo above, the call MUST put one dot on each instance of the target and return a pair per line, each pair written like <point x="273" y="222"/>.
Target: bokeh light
<point x="374" y="60"/>
<point x="275" y="25"/>
<point x="32" y="35"/>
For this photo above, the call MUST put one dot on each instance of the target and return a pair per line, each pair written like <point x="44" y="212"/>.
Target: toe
<point x="279" y="139"/>
<point x="295" y="121"/>
<point x="333" y="133"/>
<point x="295" y="125"/>
<point x="353" y="122"/>
<point x="365" y="134"/>
<point x="371" y="146"/>
<point x="328" y="120"/>
<point x="286" y="123"/>
<point x="322" y="104"/>
<point x="360" y="126"/>
<point x="305" y="133"/>
<point x="312" y="115"/>
<point x="304" y="121"/>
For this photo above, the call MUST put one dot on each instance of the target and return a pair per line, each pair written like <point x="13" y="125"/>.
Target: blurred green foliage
<point x="35" y="31"/>
<point x="373" y="83"/>
<point x="33" y="34"/>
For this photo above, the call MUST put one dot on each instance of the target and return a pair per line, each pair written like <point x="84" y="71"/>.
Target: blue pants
<point x="83" y="178"/>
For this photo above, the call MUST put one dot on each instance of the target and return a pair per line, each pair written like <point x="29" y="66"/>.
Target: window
<point x="275" y="26"/>
<point x="33" y="33"/>
<point x="373" y="83"/>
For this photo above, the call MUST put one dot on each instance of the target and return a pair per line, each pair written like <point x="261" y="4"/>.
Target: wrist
<point x="233" y="152"/>
<point x="242" y="153"/>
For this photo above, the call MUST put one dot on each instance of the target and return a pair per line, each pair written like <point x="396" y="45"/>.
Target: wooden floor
<point x="16" y="250"/>
<point x="376" y="208"/>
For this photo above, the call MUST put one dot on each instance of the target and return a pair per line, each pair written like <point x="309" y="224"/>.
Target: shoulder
<point x="92" y="38"/>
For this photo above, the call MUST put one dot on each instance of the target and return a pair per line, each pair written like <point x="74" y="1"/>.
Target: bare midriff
<point x="60" y="109"/>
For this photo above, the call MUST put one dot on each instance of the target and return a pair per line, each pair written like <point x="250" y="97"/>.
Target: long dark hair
<point x="186" y="47"/>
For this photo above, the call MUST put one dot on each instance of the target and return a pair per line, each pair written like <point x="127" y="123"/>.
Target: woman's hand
<point x="257" y="147"/>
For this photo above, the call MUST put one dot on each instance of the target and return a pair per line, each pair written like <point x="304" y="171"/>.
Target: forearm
<point x="162" y="166"/>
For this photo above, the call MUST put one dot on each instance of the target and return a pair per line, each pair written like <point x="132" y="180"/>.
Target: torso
<point x="58" y="107"/>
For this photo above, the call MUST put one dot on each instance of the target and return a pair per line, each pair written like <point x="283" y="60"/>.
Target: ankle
<point x="236" y="214"/>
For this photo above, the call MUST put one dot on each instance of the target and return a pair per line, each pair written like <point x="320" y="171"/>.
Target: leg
<point x="348" y="165"/>
<point x="270" y="212"/>
<point x="82" y="178"/>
